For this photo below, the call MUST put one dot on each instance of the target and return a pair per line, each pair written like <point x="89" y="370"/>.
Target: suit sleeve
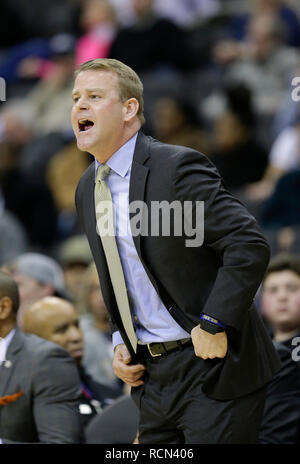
<point x="56" y="395"/>
<point x="231" y="232"/>
<point x="281" y="419"/>
<point x="56" y="391"/>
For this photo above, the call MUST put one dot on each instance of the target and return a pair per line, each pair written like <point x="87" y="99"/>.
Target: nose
<point x="81" y="103"/>
<point x="282" y="294"/>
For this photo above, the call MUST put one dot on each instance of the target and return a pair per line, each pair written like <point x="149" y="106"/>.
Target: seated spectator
<point x="278" y="8"/>
<point x="264" y="64"/>
<point x="280" y="298"/>
<point x="185" y="13"/>
<point x="239" y="158"/>
<point x="280" y="302"/>
<point x="281" y="210"/>
<point x="151" y="42"/>
<point x="37" y="276"/>
<point x="182" y="12"/>
<point x="284" y="156"/>
<point x="281" y="419"/>
<point x="39" y="388"/>
<point x="62" y="175"/>
<point x="50" y="98"/>
<point x="98" y="21"/>
<point x="177" y="123"/>
<point x="56" y="320"/>
<point x="98" y="354"/>
<point x="20" y="190"/>
<point x="74" y="258"/>
<point x="13" y="239"/>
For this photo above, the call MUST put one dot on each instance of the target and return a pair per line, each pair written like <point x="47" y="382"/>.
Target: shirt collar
<point x="9" y="337"/>
<point x="121" y="160"/>
<point x="7" y="341"/>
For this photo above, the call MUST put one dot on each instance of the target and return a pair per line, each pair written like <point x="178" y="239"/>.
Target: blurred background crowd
<point x="217" y="77"/>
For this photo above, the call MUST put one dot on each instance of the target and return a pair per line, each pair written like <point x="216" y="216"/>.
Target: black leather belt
<point x="159" y="349"/>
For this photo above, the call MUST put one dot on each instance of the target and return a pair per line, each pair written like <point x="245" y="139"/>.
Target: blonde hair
<point x="130" y="85"/>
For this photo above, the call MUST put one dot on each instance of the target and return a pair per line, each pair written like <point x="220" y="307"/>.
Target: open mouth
<point x="85" y="125"/>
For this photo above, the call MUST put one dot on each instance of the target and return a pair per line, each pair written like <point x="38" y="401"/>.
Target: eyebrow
<point x="96" y="89"/>
<point x="61" y="327"/>
<point x="67" y="324"/>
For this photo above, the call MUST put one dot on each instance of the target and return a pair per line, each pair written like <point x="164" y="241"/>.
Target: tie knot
<point x="103" y="171"/>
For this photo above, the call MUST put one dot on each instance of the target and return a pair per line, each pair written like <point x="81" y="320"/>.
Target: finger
<point x="131" y="369"/>
<point x="129" y="375"/>
<point x="123" y="354"/>
<point x="128" y="371"/>
<point x="137" y="383"/>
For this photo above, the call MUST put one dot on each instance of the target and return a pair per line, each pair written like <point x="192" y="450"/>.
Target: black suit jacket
<point x="281" y="419"/>
<point x="219" y="278"/>
<point x="47" y="412"/>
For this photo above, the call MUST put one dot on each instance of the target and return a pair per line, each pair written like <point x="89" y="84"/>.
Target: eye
<point x="95" y="97"/>
<point x="62" y="329"/>
<point x="75" y="99"/>
<point x="292" y="288"/>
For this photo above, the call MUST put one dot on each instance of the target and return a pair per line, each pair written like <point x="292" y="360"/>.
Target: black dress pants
<point x="174" y="409"/>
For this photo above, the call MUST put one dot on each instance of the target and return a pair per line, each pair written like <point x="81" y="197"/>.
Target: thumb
<point x="126" y="358"/>
<point x="125" y="355"/>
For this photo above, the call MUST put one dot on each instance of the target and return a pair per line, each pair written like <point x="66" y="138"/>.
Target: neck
<point x="280" y="336"/>
<point x="103" y="155"/>
<point x="6" y="328"/>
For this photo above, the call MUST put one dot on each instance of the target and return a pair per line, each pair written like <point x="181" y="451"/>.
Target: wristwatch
<point x="211" y="325"/>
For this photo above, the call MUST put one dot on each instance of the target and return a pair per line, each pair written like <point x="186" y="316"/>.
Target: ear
<point x="5" y="308"/>
<point x="130" y="108"/>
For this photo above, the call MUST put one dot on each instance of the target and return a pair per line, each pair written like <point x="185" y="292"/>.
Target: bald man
<point x="56" y="320"/>
<point x="39" y="383"/>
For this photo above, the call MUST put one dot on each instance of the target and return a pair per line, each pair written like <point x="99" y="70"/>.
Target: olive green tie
<point x="107" y="235"/>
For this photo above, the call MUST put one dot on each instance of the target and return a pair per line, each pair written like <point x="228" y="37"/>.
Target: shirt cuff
<point x="116" y="339"/>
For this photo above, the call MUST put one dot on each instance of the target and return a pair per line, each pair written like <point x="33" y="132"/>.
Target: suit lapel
<point x="138" y="181"/>
<point x="8" y="369"/>
<point x="138" y="178"/>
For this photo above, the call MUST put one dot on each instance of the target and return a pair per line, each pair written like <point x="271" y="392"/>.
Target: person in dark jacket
<point x="56" y="320"/>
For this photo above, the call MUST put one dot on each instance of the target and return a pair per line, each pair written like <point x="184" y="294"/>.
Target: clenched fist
<point x="130" y="374"/>
<point x="207" y="345"/>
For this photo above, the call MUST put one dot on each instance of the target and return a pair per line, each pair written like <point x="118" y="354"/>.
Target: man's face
<point x="281" y="300"/>
<point x="61" y="326"/>
<point x="98" y="113"/>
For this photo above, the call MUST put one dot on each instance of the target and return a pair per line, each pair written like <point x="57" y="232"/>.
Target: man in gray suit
<point x="39" y="383"/>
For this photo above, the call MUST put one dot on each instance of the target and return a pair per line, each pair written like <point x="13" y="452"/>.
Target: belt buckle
<point x="152" y="354"/>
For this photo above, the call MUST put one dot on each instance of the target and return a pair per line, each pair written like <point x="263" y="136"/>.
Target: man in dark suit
<point x="39" y="384"/>
<point x="55" y="319"/>
<point x="280" y="305"/>
<point x="193" y="347"/>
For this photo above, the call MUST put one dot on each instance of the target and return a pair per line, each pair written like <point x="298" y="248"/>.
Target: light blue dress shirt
<point x="152" y="321"/>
